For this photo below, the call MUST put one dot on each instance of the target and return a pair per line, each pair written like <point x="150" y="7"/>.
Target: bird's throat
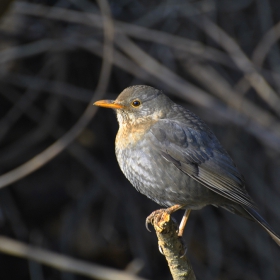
<point x="128" y="134"/>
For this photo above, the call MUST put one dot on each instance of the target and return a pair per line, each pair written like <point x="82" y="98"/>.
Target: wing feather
<point x="198" y="153"/>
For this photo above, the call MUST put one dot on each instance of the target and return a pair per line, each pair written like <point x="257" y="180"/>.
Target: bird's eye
<point x="135" y="103"/>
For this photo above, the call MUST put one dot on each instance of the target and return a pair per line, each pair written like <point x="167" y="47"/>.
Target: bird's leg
<point x="158" y="214"/>
<point x="184" y="222"/>
<point x="173" y="208"/>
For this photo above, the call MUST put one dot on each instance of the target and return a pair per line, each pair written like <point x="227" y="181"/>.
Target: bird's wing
<point x="198" y="153"/>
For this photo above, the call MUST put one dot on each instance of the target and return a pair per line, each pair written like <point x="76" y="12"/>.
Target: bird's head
<point x="138" y="104"/>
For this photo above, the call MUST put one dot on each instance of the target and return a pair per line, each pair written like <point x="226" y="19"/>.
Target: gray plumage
<point x="172" y="157"/>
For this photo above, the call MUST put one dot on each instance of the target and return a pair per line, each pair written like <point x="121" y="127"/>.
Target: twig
<point x="91" y="19"/>
<point x="207" y="74"/>
<point x="53" y="150"/>
<point x="52" y="87"/>
<point x="265" y="44"/>
<point x="242" y="61"/>
<point x="22" y="104"/>
<point x="27" y="50"/>
<point x="61" y="262"/>
<point x="172" y="247"/>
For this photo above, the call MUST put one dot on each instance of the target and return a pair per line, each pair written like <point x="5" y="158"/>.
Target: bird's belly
<point x="160" y="180"/>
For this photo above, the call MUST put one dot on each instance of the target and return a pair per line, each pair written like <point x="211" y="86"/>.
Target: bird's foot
<point x="158" y="218"/>
<point x="161" y="216"/>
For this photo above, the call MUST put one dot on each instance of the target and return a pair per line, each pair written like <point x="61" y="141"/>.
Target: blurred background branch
<point x="61" y="262"/>
<point x="219" y="58"/>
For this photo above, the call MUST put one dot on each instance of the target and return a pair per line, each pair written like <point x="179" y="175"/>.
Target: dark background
<point x="219" y="58"/>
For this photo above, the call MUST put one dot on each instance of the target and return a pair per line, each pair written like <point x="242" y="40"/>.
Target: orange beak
<point x="108" y="104"/>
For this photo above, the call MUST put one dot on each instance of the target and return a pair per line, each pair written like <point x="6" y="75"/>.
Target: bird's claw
<point x="150" y="220"/>
<point x="160" y="249"/>
<point x="147" y="224"/>
<point x="185" y="252"/>
<point x="155" y="217"/>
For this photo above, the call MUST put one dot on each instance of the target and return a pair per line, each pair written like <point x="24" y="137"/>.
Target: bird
<point x="170" y="155"/>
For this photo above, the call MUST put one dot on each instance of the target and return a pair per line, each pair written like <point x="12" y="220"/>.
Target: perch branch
<point x="172" y="247"/>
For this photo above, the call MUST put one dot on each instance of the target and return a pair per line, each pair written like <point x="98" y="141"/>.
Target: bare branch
<point x="61" y="262"/>
<point x="172" y="247"/>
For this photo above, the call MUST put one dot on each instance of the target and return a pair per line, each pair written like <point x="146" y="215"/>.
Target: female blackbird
<point x="171" y="156"/>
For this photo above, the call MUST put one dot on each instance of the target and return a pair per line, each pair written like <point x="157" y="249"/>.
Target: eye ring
<point x="135" y="103"/>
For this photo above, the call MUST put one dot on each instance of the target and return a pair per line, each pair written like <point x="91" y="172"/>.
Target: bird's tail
<point x="259" y="219"/>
